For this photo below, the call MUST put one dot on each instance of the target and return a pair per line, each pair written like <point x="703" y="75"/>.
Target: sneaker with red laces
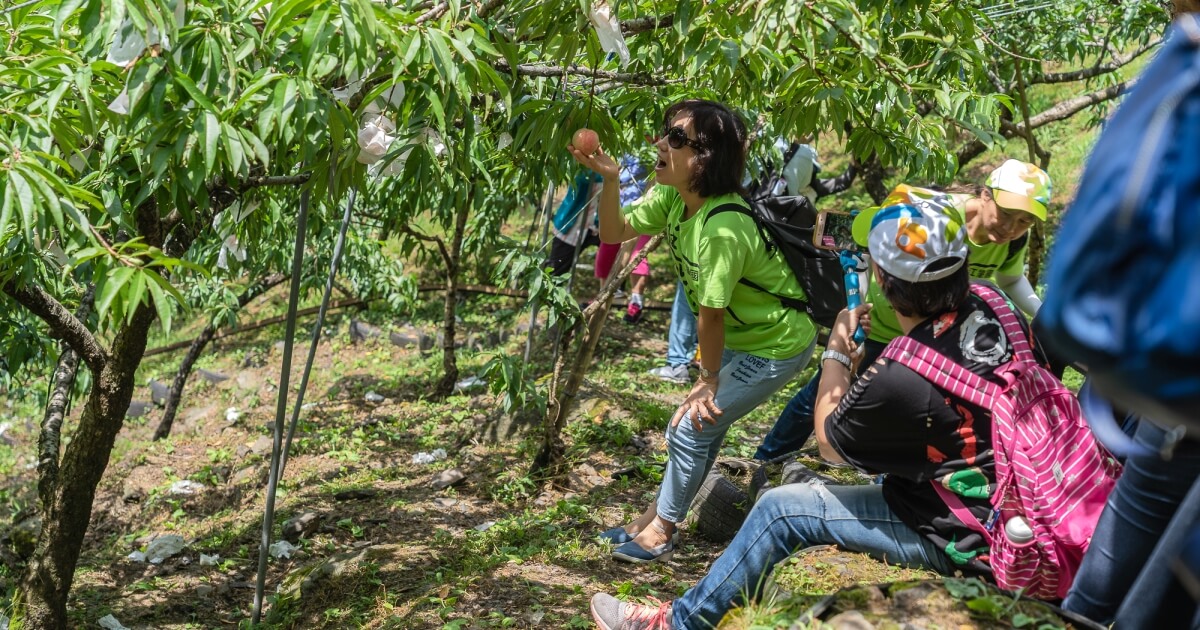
<point x="611" y="613"/>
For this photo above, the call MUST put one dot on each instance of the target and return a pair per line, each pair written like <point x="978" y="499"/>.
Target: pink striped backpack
<point x="1049" y="468"/>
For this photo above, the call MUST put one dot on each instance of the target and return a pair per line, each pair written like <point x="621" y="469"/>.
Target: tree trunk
<point x="65" y="517"/>
<point x="873" y="175"/>
<point x="549" y="460"/>
<point x="257" y="288"/>
<point x="445" y="387"/>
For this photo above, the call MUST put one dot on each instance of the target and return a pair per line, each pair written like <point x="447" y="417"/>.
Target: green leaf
<point x="234" y="149"/>
<point x="192" y="89"/>
<point x="285" y="101"/>
<point x="212" y="132"/>
<point x="257" y="147"/>
<point x="111" y="288"/>
<point x="443" y="61"/>
<point x="64" y="11"/>
<point x="24" y="198"/>
<point x="136" y="292"/>
<point x="162" y="302"/>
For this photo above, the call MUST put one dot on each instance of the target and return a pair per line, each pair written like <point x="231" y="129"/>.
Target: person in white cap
<point x="891" y="420"/>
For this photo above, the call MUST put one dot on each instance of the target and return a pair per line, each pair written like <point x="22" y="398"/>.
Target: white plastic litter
<point x="504" y="141"/>
<point x="232" y="414"/>
<point x="484" y="526"/>
<point x="120" y="105"/>
<point x="163" y="547"/>
<point x="374" y="139"/>
<point x="230" y="247"/>
<point x="128" y="43"/>
<point x="429" y="458"/>
<point x="281" y="549"/>
<point x="137" y="556"/>
<point x="469" y="383"/>
<point x="209" y="561"/>
<point x="372" y="397"/>
<point x="185" y="487"/>
<point x="3" y="622"/>
<point x="609" y="31"/>
<point x="110" y="623"/>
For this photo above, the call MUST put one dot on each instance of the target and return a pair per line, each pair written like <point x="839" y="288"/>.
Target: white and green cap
<point x="1021" y="186"/>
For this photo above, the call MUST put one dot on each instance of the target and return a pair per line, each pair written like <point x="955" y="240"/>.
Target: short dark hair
<point x="721" y="134"/>
<point x="927" y="299"/>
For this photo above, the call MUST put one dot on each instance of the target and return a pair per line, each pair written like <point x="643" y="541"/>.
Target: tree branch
<point x="1059" y="111"/>
<point x="50" y="436"/>
<point x="1118" y="62"/>
<point x="531" y="70"/>
<point x="273" y="180"/>
<point x="436" y="12"/>
<point x="485" y="8"/>
<point x="63" y="325"/>
<point x="649" y="23"/>
<point x="431" y="239"/>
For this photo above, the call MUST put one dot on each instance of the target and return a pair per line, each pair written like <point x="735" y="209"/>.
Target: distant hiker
<point x="751" y="344"/>
<point x="575" y="222"/>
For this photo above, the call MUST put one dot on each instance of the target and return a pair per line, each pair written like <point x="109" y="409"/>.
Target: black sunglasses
<point x="676" y="138"/>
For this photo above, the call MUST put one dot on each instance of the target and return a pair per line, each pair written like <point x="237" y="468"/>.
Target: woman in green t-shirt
<point x="750" y="344"/>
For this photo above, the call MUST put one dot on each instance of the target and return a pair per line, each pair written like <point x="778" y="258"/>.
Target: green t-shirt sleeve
<point x="1014" y="265"/>
<point x="648" y="215"/>
<point x="722" y="258"/>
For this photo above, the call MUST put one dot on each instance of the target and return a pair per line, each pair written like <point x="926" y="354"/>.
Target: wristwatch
<point x="706" y="374"/>
<point x="836" y="356"/>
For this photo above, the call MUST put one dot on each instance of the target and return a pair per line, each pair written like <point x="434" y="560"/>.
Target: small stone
<point x="405" y="339"/>
<point x="248" y="380"/>
<point x="361" y="331"/>
<point x="212" y="377"/>
<point x="204" y="591"/>
<point x="448" y="478"/>
<point x="300" y="526"/>
<point x="263" y="445"/>
<point x="357" y="494"/>
<point x="138" y="408"/>
<point x="159" y="392"/>
<point x="850" y="620"/>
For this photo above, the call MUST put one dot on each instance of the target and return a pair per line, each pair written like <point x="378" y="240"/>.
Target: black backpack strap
<point x="1016" y="244"/>
<point x="733" y="207"/>
<point x="790" y="302"/>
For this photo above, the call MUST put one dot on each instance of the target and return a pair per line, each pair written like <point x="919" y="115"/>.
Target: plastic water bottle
<point x="1017" y="530"/>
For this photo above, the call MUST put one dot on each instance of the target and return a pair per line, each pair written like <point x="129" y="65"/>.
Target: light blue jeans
<point x="681" y="337"/>
<point x="792" y="517"/>
<point x="745" y="382"/>
<point x="1135" y="517"/>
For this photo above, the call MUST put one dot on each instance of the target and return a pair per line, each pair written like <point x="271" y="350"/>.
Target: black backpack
<point x="786" y="224"/>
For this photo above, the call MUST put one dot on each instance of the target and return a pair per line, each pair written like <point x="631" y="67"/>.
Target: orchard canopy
<point x="130" y="122"/>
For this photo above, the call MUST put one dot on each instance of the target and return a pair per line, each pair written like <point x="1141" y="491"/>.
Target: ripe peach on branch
<point x="586" y="141"/>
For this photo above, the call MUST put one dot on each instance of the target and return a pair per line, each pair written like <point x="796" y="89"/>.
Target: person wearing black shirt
<point x="891" y="420"/>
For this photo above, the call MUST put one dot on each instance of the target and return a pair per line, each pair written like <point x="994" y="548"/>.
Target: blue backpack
<point x="1124" y="273"/>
